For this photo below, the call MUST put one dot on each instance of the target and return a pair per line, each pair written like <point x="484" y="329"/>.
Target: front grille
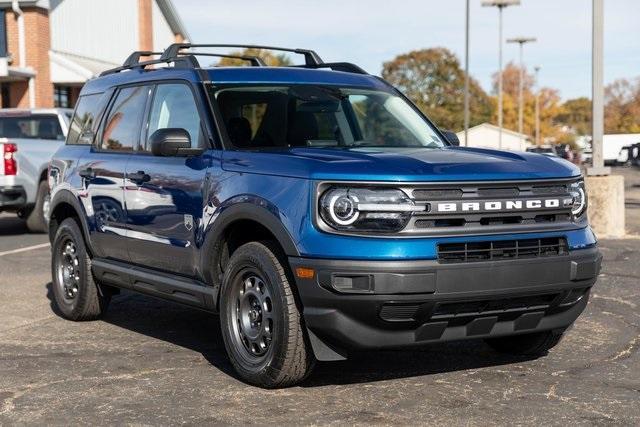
<point x="491" y="307"/>
<point x="462" y="312"/>
<point x="399" y="312"/>
<point x="451" y="253"/>
<point x="469" y="218"/>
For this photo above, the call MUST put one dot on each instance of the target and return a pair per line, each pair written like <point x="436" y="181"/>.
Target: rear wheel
<point x="35" y="219"/>
<point x="535" y="344"/>
<point x="261" y="324"/>
<point x="76" y="294"/>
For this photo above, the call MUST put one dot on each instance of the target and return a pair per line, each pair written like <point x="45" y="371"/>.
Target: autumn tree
<point x="550" y="106"/>
<point x="434" y="81"/>
<point x="576" y="114"/>
<point x="622" y="106"/>
<point x="270" y="58"/>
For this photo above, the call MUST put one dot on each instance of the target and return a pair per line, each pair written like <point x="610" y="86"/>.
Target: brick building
<point x="49" y="48"/>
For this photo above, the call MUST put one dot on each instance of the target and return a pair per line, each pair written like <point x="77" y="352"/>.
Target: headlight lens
<point x="366" y="209"/>
<point x="579" y="205"/>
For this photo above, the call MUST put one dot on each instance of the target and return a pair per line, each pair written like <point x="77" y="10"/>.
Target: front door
<point x="103" y="171"/>
<point x="164" y="195"/>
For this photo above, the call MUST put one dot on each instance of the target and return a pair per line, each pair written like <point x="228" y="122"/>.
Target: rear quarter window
<point x="31" y="126"/>
<point x="84" y="121"/>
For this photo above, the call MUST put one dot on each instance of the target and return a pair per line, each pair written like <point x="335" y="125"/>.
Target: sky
<point x="370" y="32"/>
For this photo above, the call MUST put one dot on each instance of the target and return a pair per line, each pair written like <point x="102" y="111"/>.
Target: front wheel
<point x="261" y="324"/>
<point x="76" y="294"/>
<point x="534" y="344"/>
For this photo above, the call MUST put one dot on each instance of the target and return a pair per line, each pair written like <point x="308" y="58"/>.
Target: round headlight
<point x="366" y="209"/>
<point x="343" y="208"/>
<point x="579" y="198"/>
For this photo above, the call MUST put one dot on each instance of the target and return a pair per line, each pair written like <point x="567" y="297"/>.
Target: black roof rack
<point x="174" y="54"/>
<point x="310" y="57"/>
<point x="255" y="61"/>
<point x="134" y="59"/>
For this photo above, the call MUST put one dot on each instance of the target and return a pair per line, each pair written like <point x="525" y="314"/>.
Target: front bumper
<point x="12" y="198"/>
<point x="408" y="303"/>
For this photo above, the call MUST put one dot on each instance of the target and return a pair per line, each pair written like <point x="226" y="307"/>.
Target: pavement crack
<point x="615" y="299"/>
<point x="633" y="346"/>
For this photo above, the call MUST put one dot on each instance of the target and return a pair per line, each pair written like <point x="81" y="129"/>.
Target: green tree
<point x="270" y="58"/>
<point x="434" y="81"/>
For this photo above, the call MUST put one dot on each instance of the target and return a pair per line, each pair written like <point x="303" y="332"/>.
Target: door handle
<point x="139" y="177"/>
<point x="87" y="173"/>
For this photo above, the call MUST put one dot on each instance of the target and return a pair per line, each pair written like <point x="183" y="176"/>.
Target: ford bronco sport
<point x="313" y="207"/>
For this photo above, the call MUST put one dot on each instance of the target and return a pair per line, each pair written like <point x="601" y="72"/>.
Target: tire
<point x="35" y="219"/>
<point x="261" y="324"/>
<point x="76" y="294"/>
<point x="535" y="344"/>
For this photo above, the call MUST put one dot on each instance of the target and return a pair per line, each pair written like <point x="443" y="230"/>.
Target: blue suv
<point x="315" y="209"/>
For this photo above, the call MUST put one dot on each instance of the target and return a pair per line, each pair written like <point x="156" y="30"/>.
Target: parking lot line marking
<point x="28" y="248"/>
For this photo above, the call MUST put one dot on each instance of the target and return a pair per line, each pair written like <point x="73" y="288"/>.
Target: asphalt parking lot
<point x="150" y="362"/>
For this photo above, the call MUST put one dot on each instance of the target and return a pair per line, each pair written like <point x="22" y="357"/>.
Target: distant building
<point x="49" y="48"/>
<point x="487" y="135"/>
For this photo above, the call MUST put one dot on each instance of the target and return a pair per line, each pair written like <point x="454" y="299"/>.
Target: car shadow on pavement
<point x="200" y="331"/>
<point x="12" y="226"/>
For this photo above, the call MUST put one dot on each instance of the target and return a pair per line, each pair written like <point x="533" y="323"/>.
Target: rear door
<point x="164" y="195"/>
<point x="103" y="171"/>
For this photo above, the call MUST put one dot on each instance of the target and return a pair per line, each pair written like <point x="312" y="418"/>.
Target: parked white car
<point x="28" y="140"/>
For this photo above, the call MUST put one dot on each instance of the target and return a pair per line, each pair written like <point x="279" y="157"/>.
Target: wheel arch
<point x="65" y="205"/>
<point x="253" y="223"/>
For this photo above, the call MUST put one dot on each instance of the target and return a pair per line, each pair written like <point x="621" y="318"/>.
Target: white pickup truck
<point x="28" y="140"/>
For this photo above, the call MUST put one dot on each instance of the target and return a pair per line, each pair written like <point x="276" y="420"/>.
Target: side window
<point x="122" y="127"/>
<point x="82" y="124"/>
<point x="254" y="113"/>
<point x="174" y="107"/>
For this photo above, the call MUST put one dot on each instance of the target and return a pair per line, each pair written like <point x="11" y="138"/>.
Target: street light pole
<point x="500" y="4"/>
<point x="466" y="79"/>
<point x="521" y="41"/>
<point x="537" y="69"/>
<point x="597" y="87"/>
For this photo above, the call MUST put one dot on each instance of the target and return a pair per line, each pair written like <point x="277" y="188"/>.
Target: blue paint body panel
<point x="168" y="223"/>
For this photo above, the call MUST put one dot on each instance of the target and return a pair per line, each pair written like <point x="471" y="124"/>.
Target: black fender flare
<point x="66" y="196"/>
<point x="237" y="212"/>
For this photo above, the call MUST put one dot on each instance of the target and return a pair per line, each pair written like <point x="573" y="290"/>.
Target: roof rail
<point x="311" y="58"/>
<point x="186" y="61"/>
<point x="346" y="67"/>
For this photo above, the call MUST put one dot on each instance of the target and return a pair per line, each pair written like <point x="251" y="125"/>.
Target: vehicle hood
<point x="400" y="164"/>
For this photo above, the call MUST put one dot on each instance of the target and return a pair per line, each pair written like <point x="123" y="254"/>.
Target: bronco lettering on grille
<point x="501" y="205"/>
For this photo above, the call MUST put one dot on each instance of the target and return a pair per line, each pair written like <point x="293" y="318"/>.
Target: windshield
<point x="32" y="126"/>
<point x="321" y="116"/>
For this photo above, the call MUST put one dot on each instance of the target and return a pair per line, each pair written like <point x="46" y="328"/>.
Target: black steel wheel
<point x="76" y="294"/>
<point x="261" y="324"/>
<point x="253" y="326"/>
<point x="68" y="269"/>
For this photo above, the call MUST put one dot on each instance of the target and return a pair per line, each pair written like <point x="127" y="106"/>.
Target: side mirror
<point x="172" y="142"/>
<point x="451" y="137"/>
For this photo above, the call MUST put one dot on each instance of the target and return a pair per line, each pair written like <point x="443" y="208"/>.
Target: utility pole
<point x="537" y="69"/>
<point x="466" y="79"/>
<point x="500" y="4"/>
<point x="521" y="41"/>
<point x="597" y="88"/>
